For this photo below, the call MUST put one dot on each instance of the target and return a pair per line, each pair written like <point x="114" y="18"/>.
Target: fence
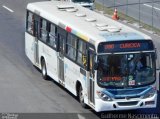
<point x="145" y="13"/>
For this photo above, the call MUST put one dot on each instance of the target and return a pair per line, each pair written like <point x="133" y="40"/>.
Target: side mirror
<point x="158" y="79"/>
<point x="158" y="82"/>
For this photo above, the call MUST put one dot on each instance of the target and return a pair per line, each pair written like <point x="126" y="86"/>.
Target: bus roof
<point x="84" y="23"/>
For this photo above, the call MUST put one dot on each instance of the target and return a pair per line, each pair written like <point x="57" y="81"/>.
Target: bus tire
<point x="81" y="97"/>
<point x="44" y="69"/>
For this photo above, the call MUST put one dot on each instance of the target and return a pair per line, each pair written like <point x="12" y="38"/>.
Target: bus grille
<point x="127" y="97"/>
<point x="128" y="103"/>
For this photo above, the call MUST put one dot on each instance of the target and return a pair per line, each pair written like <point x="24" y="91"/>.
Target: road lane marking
<point x="81" y="117"/>
<point x="7" y="8"/>
<point x="151" y="6"/>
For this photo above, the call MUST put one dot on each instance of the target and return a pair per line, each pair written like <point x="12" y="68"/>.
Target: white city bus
<point x="108" y="65"/>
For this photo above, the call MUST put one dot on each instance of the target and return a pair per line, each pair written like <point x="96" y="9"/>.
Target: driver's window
<point x="114" y="64"/>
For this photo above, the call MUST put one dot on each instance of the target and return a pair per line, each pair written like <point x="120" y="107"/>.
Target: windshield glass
<point x="82" y="1"/>
<point x="126" y="70"/>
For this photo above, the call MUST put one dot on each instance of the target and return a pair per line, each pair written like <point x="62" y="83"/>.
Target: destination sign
<point x="125" y="46"/>
<point x="114" y="78"/>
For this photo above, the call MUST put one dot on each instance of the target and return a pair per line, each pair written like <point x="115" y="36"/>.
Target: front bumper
<point x="125" y="104"/>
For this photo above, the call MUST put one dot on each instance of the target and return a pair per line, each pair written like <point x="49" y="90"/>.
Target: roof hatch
<point x="101" y="24"/>
<point x="80" y="14"/>
<point x="72" y="10"/>
<point x="89" y="19"/>
<point x="64" y="7"/>
<point x="111" y="29"/>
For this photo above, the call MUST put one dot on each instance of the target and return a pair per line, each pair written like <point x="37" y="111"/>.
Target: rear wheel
<point x="44" y="69"/>
<point x="81" y="97"/>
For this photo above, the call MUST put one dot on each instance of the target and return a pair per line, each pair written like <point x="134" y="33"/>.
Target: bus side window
<point x="82" y="55"/>
<point x="30" y="22"/>
<point x="52" y="36"/>
<point x="43" y="30"/>
<point x="71" y="46"/>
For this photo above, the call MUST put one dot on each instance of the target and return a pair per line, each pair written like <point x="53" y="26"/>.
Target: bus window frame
<point x="57" y="42"/>
<point x="55" y="35"/>
<point x="91" y="49"/>
<point x="84" y="54"/>
<point x="70" y="45"/>
<point x="48" y="22"/>
<point x="76" y="60"/>
<point x="41" y="29"/>
<point x="27" y="16"/>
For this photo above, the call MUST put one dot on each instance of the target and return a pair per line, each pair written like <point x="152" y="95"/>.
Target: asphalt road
<point x="22" y="89"/>
<point x="133" y="9"/>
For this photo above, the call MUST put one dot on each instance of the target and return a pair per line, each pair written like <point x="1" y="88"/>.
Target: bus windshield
<point x="82" y="1"/>
<point x="126" y="70"/>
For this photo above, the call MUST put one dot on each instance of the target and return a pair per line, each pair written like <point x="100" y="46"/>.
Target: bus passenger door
<point x="61" y="40"/>
<point x="91" y="78"/>
<point x="36" y="52"/>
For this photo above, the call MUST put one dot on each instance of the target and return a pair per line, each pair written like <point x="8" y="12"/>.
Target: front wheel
<point x="44" y="69"/>
<point x="81" y="97"/>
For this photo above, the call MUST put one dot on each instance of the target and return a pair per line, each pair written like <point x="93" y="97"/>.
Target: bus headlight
<point x="103" y="96"/>
<point x="150" y="93"/>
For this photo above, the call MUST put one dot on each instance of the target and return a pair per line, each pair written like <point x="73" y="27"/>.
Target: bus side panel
<point x="29" y="46"/>
<point x="52" y="62"/>
<point x="71" y="74"/>
<point x="50" y="57"/>
<point x="85" y="84"/>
